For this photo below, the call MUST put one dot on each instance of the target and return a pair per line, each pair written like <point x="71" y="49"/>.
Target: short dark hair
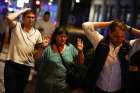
<point x="47" y="13"/>
<point x="58" y="31"/>
<point x="117" y="23"/>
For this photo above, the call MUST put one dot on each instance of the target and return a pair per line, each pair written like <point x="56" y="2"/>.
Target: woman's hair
<point x="117" y="23"/>
<point x="58" y="31"/>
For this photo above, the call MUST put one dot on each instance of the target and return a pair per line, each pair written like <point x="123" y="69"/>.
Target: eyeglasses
<point x="30" y="17"/>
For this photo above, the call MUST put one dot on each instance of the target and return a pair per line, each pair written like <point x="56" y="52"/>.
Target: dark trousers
<point x="15" y="77"/>
<point x="98" y="90"/>
<point x="133" y="82"/>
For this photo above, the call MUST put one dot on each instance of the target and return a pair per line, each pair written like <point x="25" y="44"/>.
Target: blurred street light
<point x="37" y="3"/>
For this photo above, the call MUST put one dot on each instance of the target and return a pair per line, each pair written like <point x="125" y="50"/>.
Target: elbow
<point x="83" y="25"/>
<point x="88" y="26"/>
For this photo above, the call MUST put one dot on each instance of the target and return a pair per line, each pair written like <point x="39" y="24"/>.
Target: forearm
<point x="133" y="31"/>
<point x="101" y="24"/>
<point x="95" y="24"/>
<point x="13" y="16"/>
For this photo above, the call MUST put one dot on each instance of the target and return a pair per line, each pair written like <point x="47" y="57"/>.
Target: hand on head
<point x="26" y="9"/>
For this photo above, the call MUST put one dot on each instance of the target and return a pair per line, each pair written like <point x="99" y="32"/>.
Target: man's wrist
<point x="129" y="28"/>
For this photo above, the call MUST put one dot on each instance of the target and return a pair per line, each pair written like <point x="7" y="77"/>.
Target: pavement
<point x="3" y="55"/>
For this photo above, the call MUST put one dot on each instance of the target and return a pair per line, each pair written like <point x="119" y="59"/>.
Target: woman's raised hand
<point x="80" y="44"/>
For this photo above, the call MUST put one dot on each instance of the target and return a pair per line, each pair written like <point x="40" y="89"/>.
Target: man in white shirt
<point x="45" y="26"/>
<point x="108" y="71"/>
<point x="20" y="59"/>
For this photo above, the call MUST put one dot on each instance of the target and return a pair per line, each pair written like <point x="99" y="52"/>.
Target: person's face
<point x="117" y="36"/>
<point x="29" y="19"/>
<point x="46" y="17"/>
<point x="61" y="39"/>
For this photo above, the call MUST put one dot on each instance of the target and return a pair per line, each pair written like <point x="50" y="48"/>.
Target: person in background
<point x="20" y="59"/>
<point x="108" y="72"/>
<point x="51" y="74"/>
<point x="45" y="26"/>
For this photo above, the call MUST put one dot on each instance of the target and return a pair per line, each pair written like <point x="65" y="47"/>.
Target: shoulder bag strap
<point x="63" y="62"/>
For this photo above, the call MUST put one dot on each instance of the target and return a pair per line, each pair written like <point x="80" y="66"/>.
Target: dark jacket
<point x="134" y="59"/>
<point x="100" y="56"/>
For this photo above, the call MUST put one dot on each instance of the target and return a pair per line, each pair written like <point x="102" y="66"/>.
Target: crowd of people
<point x="39" y="45"/>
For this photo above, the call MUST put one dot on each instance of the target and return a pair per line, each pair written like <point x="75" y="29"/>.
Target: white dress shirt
<point x="110" y="76"/>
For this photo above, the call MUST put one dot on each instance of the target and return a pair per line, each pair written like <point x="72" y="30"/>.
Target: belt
<point x="134" y="68"/>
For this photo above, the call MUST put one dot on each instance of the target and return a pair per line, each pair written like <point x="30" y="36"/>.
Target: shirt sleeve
<point x="132" y="42"/>
<point x="93" y="36"/>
